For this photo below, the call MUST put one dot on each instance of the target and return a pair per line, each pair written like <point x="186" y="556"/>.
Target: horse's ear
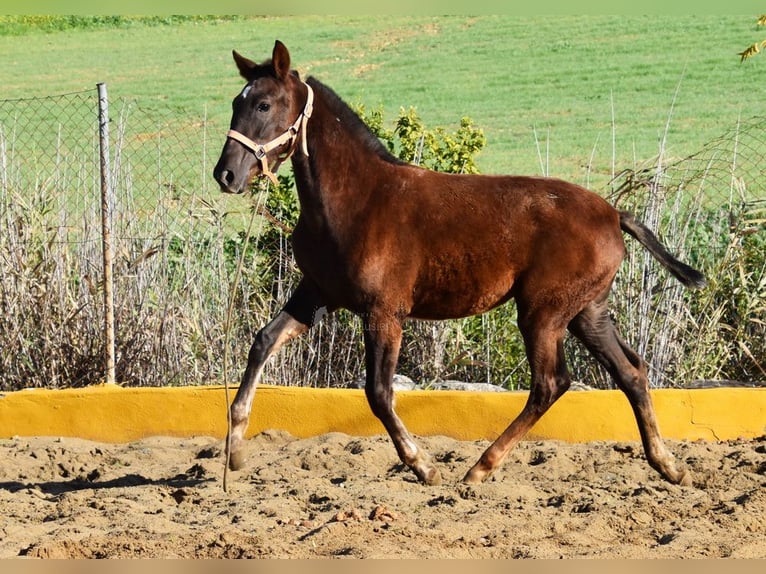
<point x="280" y="59"/>
<point x="245" y="66"/>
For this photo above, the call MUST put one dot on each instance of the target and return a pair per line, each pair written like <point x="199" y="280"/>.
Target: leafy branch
<point x="755" y="48"/>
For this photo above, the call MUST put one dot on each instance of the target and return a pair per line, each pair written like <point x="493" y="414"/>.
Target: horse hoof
<point x="685" y="479"/>
<point x="433" y="477"/>
<point x="236" y="460"/>
<point x="475" y="476"/>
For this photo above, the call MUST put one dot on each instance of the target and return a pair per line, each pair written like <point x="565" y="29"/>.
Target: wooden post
<point x="107" y="202"/>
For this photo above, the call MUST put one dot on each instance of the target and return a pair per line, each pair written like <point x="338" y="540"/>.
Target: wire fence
<point x="51" y="242"/>
<point x="711" y="208"/>
<point x="48" y="214"/>
<point x="176" y="241"/>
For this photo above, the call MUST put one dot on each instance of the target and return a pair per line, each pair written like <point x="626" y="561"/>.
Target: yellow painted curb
<point x="111" y="413"/>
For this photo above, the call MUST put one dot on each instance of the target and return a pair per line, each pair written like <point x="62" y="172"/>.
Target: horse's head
<point x="267" y="116"/>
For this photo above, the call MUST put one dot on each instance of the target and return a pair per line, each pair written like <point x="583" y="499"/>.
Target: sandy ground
<point x="342" y="496"/>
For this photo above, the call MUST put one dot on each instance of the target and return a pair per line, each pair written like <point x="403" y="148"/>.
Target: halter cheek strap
<point x="290" y="136"/>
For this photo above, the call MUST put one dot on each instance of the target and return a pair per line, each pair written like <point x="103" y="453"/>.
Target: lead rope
<point x="260" y="152"/>
<point x="254" y="209"/>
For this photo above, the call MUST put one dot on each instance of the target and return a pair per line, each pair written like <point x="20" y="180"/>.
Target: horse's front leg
<point x="382" y="340"/>
<point x="297" y="317"/>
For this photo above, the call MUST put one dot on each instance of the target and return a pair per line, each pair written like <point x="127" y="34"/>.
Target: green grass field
<point x="596" y="90"/>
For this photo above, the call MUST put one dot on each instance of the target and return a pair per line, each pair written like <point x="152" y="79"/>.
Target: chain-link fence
<point x="711" y="208"/>
<point x="49" y="241"/>
<point x="163" y="224"/>
<point x="177" y="240"/>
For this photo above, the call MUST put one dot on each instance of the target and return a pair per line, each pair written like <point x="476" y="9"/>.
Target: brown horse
<point x="389" y="241"/>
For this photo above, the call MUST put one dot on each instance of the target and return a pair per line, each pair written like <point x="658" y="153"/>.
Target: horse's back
<point x="516" y="214"/>
<point x="478" y="240"/>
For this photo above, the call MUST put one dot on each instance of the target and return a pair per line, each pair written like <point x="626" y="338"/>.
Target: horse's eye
<point x="264" y="107"/>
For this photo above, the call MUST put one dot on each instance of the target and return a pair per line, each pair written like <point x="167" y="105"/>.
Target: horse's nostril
<point x="225" y="177"/>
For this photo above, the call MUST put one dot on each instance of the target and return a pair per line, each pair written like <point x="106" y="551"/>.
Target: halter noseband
<point x="261" y="150"/>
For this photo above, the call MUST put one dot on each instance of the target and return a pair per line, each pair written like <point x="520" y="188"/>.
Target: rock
<point x="716" y="384"/>
<point x="404" y="383"/>
<point x="578" y="386"/>
<point x="401" y="383"/>
<point x="383" y="514"/>
<point x="463" y="386"/>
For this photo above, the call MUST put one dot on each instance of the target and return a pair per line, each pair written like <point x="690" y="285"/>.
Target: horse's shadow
<point x="194" y="476"/>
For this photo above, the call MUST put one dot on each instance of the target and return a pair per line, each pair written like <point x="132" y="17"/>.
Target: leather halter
<point x="261" y="150"/>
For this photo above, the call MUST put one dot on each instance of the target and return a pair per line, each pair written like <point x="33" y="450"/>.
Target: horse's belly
<point x="460" y="296"/>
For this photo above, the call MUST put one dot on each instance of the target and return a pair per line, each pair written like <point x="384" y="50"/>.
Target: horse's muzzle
<point x="227" y="180"/>
<point x="230" y="173"/>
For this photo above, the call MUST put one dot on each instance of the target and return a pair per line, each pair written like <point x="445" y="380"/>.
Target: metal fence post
<point x="106" y="232"/>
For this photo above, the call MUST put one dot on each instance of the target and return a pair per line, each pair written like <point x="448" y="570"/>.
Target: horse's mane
<point x="354" y="123"/>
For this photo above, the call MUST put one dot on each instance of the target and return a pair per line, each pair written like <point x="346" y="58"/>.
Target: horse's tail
<point x="687" y="275"/>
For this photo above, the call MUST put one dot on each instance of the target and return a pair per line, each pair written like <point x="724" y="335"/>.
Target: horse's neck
<point x="329" y="188"/>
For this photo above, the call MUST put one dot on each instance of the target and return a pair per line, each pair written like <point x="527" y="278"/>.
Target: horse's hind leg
<point x="298" y="315"/>
<point x="550" y="380"/>
<point x="382" y="340"/>
<point x="595" y="329"/>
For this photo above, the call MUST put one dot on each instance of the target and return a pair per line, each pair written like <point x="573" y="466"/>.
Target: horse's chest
<point x="310" y="251"/>
<point x="319" y="258"/>
<point x="347" y="274"/>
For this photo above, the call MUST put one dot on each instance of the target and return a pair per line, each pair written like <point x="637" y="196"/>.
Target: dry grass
<point x="173" y="283"/>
